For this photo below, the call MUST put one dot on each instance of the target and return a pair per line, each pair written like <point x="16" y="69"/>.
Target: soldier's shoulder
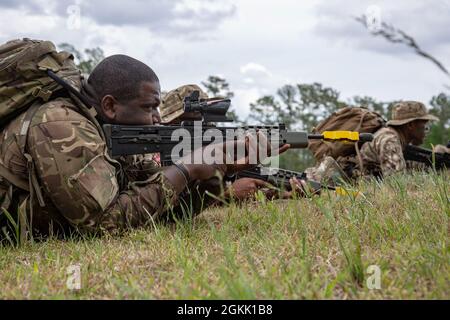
<point x="385" y="136"/>
<point x="60" y="109"/>
<point x="386" y="130"/>
<point x="386" y="133"/>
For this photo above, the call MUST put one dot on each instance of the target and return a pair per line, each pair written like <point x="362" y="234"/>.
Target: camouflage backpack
<point x="31" y="73"/>
<point x="349" y="118"/>
<point x="24" y="78"/>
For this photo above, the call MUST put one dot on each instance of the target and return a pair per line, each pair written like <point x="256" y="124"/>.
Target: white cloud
<point x="254" y="70"/>
<point x="175" y="17"/>
<point x="243" y="98"/>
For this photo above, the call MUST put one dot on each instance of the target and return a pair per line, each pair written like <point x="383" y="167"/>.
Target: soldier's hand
<point x="229" y="156"/>
<point x="299" y="188"/>
<point x="251" y="151"/>
<point x="206" y="162"/>
<point x="245" y="188"/>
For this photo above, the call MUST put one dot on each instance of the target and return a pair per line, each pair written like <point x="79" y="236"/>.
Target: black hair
<point x="120" y="76"/>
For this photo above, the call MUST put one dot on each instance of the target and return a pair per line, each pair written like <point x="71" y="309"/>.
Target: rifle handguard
<point x="349" y="136"/>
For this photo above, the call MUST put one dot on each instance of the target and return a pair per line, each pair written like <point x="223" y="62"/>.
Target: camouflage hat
<point x="172" y="103"/>
<point x="407" y="111"/>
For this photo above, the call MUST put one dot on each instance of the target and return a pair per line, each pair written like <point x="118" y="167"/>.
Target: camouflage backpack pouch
<point x="23" y="76"/>
<point x="349" y="119"/>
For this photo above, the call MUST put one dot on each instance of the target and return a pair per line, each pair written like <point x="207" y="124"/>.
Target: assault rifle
<point x="175" y="141"/>
<point x="279" y="177"/>
<point x="427" y="156"/>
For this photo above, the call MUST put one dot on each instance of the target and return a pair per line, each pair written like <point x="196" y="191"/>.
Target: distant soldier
<point x="171" y="107"/>
<point x="384" y="155"/>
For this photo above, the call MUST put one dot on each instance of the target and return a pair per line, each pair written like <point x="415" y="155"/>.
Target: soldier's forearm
<point x="177" y="177"/>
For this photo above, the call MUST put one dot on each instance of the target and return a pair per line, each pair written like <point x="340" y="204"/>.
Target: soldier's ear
<point x="108" y="106"/>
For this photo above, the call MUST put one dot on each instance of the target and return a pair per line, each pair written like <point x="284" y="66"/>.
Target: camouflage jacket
<point x="82" y="187"/>
<point x="383" y="156"/>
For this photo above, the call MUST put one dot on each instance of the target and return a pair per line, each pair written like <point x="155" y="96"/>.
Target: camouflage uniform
<point x="382" y="156"/>
<point x="328" y="171"/>
<point x="82" y="186"/>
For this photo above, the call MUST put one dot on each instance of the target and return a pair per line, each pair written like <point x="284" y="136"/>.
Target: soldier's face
<point x="418" y="131"/>
<point x="142" y="110"/>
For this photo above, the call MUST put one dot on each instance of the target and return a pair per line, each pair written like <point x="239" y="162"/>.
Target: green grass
<point x="316" y="248"/>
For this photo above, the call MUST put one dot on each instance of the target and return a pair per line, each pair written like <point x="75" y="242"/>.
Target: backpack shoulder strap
<point x="33" y="184"/>
<point x="21" y="139"/>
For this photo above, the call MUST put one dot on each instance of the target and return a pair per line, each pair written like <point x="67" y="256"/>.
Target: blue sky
<point x="258" y="46"/>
